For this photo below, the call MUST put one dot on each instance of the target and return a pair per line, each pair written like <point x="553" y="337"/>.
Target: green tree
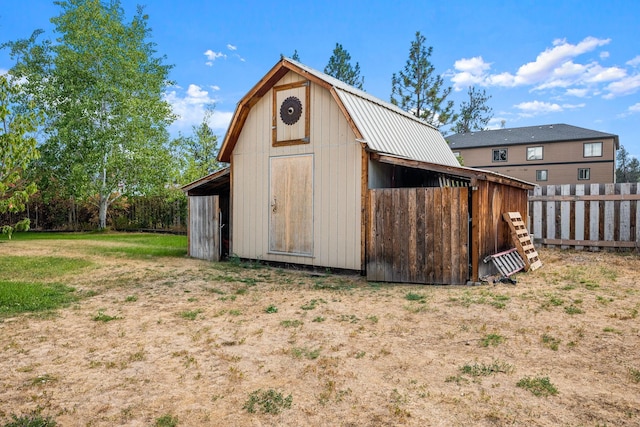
<point x="17" y="148"/>
<point x="628" y="169"/>
<point x="419" y="90"/>
<point x="340" y="67"/>
<point x="198" y="152"/>
<point x="474" y="114"/>
<point x="102" y="85"/>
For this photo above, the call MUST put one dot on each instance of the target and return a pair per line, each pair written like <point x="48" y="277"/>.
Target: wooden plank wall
<point x="418" y="235"/>
<point x="589" y="216"/>
<point x="490" y="234"/>
<point x="204" y="227"/>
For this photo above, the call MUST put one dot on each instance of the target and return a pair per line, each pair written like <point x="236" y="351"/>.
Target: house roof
<point x="526" y="135"/>
<point x="382" y="126"/>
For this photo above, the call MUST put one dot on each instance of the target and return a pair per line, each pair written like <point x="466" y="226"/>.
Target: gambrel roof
<point x="383" y="127"/>
<point x="526" y="135"/>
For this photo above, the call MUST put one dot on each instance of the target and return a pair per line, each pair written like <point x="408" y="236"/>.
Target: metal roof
<point x="526" y="135"/>
<point x="386" y="128"/>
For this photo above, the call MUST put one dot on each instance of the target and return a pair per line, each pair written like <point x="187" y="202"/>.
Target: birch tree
<point x="102" y="84"/>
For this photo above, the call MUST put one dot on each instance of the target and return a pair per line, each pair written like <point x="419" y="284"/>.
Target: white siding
<point x="337" y="172"/>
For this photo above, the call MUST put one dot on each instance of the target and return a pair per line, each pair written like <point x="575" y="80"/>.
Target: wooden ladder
<point x="522" y="240"/>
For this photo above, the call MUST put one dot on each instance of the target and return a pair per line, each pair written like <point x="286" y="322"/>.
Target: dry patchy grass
<point x="197" y="343"/>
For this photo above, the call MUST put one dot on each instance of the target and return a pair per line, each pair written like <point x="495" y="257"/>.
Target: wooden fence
<point x="589" y="216"/>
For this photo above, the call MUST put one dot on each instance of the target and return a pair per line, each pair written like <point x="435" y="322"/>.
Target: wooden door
<point x="418" y="235"/>
<point x="204" y="227"/>
<point x="291" y="205"/>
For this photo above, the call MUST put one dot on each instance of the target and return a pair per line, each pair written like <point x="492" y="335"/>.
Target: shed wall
<point x="336" y="177"/>
<point x="490" y="233"/>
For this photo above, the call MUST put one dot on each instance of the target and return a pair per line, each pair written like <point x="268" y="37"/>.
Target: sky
<point x="542" y="62"/>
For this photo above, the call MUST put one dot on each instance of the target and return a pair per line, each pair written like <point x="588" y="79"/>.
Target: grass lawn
<point x="110" y="329"/>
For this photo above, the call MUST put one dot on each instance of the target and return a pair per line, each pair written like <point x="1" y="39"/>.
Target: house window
<point x="593" y="149"/>
<point x="500" y="155"/>
<point x="584" y="174"/>
<point x="534" y="153"/>
<point x="542" y="175"/>
<point x="456" y="153"/>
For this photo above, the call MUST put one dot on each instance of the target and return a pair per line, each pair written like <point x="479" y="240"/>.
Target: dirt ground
<point x="193" y="340"/>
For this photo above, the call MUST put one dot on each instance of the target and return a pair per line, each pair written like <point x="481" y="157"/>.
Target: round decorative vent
<point x="290" y="110"/>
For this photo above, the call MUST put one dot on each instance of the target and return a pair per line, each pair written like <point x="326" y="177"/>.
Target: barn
<point x="325" y="175"/>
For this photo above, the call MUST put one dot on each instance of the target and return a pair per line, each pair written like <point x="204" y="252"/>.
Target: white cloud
<point x="554" y="67"/>
<point x="551" y="59"/>
<point x="212" y="56"/>
<point x="190" y="107"/>
<point x="536" y="108"/>
<point x="635" y="108"/>
<point x="215" y="87"/>
<point x="625" y="86"/>
<point x="604" y="54"/>
<point x="579" y="93"/>
<point x="634" y="62"/>
<point x="471" y="71"/>
<point x="599" y="74"/>
<point x="232" y="47"/>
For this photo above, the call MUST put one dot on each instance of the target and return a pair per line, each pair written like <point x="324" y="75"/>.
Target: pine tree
<point x="419" y="90"/>
<point x="340" y="67"/>
<point x="474" y="114"/>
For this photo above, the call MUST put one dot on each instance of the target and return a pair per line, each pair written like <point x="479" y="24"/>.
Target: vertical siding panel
<point x="637" y="236"/>
<point x="438" y="256"/>
<point x="421" y="231"/>
<point x="412" y="224"/>
<point x="430" y="227"/>
<point x="395" y="221"/>
<point x="342" y="189"/>
<point x="579" y="215"/>
<point x="455" y="243"/>
<point x="388" y="252"/>
<point x="609" y="214"/>
<point x="464" y="235"/>
<point x="238" y="205"/>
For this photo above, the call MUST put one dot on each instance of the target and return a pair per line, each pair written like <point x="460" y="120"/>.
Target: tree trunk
<point x="104" y="204"/>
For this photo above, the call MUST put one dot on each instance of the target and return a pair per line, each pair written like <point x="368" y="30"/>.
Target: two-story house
<point x="546" y="154"/>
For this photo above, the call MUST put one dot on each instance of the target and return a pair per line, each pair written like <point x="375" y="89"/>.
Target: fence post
<point x="594" y="216"/>
<point x="579" y="215"/>
<point x="551" y="214"/>
<point x="565" y="214"/>
<point x="609" y="214"/>
<point x="625" y="214"/>
<point x="537" y="214"/>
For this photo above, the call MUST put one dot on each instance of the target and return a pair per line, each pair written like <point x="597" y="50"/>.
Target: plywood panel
<point x="291" y="219"/>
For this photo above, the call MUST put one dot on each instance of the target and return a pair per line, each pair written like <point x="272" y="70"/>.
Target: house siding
<point x="561" y="159"/>
<point x="336" y="181"/>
